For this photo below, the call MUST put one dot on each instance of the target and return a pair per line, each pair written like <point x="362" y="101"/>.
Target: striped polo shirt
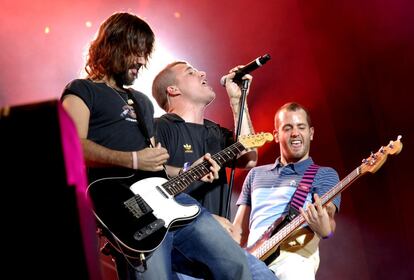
<point x="268" y="189"/>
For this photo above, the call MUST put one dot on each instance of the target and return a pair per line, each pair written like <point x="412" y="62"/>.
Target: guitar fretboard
<point x="282" y="234"/>
<point x="182" y="181"/>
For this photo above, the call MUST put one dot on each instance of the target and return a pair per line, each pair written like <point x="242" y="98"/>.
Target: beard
<point x="124" y="79"/>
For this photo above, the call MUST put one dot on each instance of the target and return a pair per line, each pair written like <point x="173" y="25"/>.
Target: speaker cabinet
<point x="47" y="225"/>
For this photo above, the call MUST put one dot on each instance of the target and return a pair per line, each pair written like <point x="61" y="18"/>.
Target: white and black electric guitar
<point x="136" y="218"/>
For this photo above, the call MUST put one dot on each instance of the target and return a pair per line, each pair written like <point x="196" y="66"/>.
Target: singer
<point x="248" y="68"/>
<point x="184" y="93"/>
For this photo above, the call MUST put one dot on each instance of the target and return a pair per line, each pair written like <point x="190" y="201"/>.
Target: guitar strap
<point x="305" y="185"/>
<point x="140" y="120"/>
<point x="143" y="128"/>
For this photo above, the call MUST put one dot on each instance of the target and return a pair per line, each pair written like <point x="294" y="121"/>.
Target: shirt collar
<point x="299" y="167"/>
<point x="176" y="118"/>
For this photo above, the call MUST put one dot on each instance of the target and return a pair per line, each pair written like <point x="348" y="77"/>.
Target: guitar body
<point x="271" y="230"/>
<point x="137" y="216"/>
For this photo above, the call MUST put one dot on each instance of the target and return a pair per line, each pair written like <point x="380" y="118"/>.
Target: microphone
<point x="250" y="67"/>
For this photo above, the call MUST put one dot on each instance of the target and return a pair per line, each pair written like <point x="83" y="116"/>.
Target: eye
<point x="302" y="127"/>
<point x="287" y="128"/>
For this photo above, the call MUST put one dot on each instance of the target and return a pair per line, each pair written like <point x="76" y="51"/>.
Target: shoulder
<point x="259" y="170"/>
<point x="162" y="123"/>
<point x="327" y="171"/>
<point x="225" y="132"/>
<point x="326" y="177"/>
<point x="166" y="125"/>
<point x="210" y="123"/>
<point x="80" y="84"/>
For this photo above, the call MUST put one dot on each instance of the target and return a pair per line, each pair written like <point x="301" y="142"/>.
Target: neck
<point x="285" y="161"/>
<point x="110" y="82"/>
<point x="192" y="114"/>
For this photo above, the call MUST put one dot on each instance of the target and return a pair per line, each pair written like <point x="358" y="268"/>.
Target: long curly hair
<point x="120" y="36"/>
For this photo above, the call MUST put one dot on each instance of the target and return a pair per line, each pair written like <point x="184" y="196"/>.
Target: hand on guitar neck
<point x="320" y="218"/>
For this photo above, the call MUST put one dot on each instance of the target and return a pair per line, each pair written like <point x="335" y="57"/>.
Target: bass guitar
<point x="283" y="227"/>
<point x="136" y="217"/>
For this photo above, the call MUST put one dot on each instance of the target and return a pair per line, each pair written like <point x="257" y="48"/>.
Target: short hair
<point x="119" y="36"/>
<point x="162" y="81"/>
<point x="292" y="107"/>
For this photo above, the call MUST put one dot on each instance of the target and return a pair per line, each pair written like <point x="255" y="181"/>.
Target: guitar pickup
<point x="137" y="206"/>
<point x="149" y="229"/>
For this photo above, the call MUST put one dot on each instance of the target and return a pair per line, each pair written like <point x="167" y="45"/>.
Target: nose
<point x="140" y="60"/>
<point x="295" y="131"/>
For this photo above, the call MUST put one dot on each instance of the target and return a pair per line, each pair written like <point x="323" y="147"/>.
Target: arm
<point x="247" y="159"/>
<point x="149" y="159"/>
<point x="241" y="220"/>
<point x="234" y="231"/>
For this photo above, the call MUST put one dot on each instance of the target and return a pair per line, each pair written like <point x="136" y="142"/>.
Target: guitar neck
<point x="285" y="232"/>
<point x="178" y="184"/>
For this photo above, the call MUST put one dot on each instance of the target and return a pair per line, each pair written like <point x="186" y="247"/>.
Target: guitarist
<point x="267" y="192"/>
<point x="184" y="93"/>
<point x="115" y="135"/>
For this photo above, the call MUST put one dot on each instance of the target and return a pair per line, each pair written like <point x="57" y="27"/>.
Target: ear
<point x="276" y="135"/>
<point x="311" y="132"/>
<point x="173" y="91"/>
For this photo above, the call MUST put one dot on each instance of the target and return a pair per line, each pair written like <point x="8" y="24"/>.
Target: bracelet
<point x="134" y="160"/>
<point x="328" y="236"/>
<point x="185" y="167"/>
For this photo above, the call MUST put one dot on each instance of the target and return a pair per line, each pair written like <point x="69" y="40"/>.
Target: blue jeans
<point x="202" y="241"/>
<point x="258" y="269"/>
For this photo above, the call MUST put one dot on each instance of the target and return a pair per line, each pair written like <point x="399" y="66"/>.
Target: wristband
<point x="186" y="166"/>
<point x="134" y="160"/>
<point x="328" y="236"/>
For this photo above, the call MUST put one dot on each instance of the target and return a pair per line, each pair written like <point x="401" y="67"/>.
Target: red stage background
<point x="350" y="62"/>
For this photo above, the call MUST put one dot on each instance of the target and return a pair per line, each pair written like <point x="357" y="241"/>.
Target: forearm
<point x="173" y="171"/>
<point x="246" y="125"/>
<point x="99" y="156"/>
<point x="246" y="159"/>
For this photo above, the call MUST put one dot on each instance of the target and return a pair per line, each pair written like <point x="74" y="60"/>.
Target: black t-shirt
<point x="187" y="142"/>
<point x="112" y="121"/>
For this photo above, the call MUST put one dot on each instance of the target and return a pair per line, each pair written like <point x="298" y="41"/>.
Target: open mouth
<point x="296" y="144"/>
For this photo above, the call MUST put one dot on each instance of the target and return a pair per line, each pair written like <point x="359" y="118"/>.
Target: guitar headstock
<point x="375" y="161"/>
<point x="255" y="140"/>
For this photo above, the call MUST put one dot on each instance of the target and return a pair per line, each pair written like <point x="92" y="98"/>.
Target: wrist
<point x="328" y="236"/>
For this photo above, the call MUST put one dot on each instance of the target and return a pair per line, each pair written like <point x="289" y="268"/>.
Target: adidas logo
<point x="187" y="148"/>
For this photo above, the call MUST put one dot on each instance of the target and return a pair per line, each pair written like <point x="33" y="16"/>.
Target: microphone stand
<point x="244" y="87"/>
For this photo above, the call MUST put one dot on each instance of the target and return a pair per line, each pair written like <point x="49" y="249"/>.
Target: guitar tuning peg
<point x="399" y="137"/>
<point x="365" y="161"/>
<point x="381" y="150"/>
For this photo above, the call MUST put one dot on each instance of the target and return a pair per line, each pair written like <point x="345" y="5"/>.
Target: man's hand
<point x="317" y="218"/>
<point x="234" y="231"/>
<point x="214" y="168"/>
<point x="152" y="159"/>
<point x="233" y="90"/>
